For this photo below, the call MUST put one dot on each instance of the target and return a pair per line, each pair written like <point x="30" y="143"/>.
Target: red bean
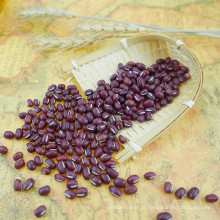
<point x="81" y="192"/>
<point x="110" y="163"/>
<point x="30" y="103"/>
<point x="19" y="164"/>
<point x="180" y="193"/>
<point x="164" y="216"/>
<point x="17" y="185"/>
<point x="115" y="191"/>
<point x="122" y="139"/>
<point x="168" y="188"/>
<point x="113" y="174"/>
<point x="71" y="175"/>
<point x="86" y="173"/>
<point x="133" y="179"/>
<point x="96" y="181"/>
<point x="40" y="211"/>
<point x="101" y="165"/>
<point x="28" y="184"/>
<point x="72" y="184"/>
<point x="211" y="198"/>
<point x="8" y="134"/>
<point x="45" y="171"/>
<point x="18" y="133"/>
<point x="193" y="193"/>
<point x="44" y="190"/>
<point x="120" y="183"/>
<point x="31" y="165"/>
<point x="149" y="175"/>
<point x="50" y="163"/>
<point x="130" y="189"/>
<point x="22" y="115"/>
<point x="59" y="177"/>
<point x="78" y="169"/>
<point x="38" y="160"/>
<point x="70" y="194"/>
<point x="3" y="150"/>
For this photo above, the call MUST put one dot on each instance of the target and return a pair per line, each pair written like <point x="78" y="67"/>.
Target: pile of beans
<point x="78" y="136"/>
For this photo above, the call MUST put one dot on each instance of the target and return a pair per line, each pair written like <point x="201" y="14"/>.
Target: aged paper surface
<point x="187" y="155"/>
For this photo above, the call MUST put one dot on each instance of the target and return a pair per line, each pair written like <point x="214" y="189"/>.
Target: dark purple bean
<point x="168" y="188"/>
<point x="127" y="123"/>
<point x="105" y="157"/>
<point x="193" y="193"/>
<point x="3" y="150"/>
<point x="115" y="191"/>
<point x="133" y="179"/>
<point x="17" y="185"/>
<point x="27" y="134"/>
<point x="96" y="181"/>
<point x="31" y="165"/>
<point x="149" y="175"/>
<point x="38" y="160"/>
<point x="18" y="133"/>
<point x="81" y="192"/>
<point x="70" y="165"/>
<point x="44" y="190"/>
<point x="79" y="151"/>
<point x="101" y="165"/>
<point x="110" y="163"/>
<point x="95" y="170"/>
<point x="22" y="115"/>
<point x="50" y="163"/>
<point x="130" y="189"/>
<point x="53" y="153"/>
<point x="30" y="103"/>
<point x="70" y="175"/>
<point x="105" y="178"/>
<point x="85" y="161"/>
<point x="62" y="158"/>
<point x="61" y="167"/>
<point x="164" y="216"/>
<point x="93" y="161"/>
<point x="78" y="169"/>
<point x="40" y="150"/>
<point x="113" y="174"/>
<point x="70" y="194"/>
<point x="120" y="183"/>
<point x="59" y="177"/>
<point x="211" y="198"/>
<point x="72" y="184"/>
<point x="86" y="173"/>
<point x="122" y="139"/>
<point x="8" y="134"/>
<point x="45" y="171"/>
<point x="40" y="211"/>
<point x="180" y="193"/>
<point x="28" y="184"/>
<point x="88" y="151"/>
<point x="18" y="156"/>
<point x="19" y="164"/>
<point x="98" y="152"/>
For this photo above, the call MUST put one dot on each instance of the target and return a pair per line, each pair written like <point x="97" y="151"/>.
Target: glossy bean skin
<point x="19" y="164"/>
<point x="115" y="191"/>
<point x="96" y="181"/>
<point x="40" y="211"/>
<point x="149" y="175"/>
<point x="59" y="177"/>
<point x="164" y="216"/>
<point x="105" y="178"/>
<point x="3" y="150"/>
<point x="17" y="156"/>
<point x="8" y="134"/>
<point x="130" y="189"/>
<point x="193" y="193"/>
<point x="81" y="192"/>
<point x="31" y="165"/>
<point x="120" y="183"/>
<point x="133" y="179"/>
<point x="45" y="171"/>
<point x="17" y="185"/>
<point x="28" y="184"/>
<point x="70" y="194"/>
<point x="180" y="193"/>
<point x="168" y="187"/>
<point x="44" y="190"/>
<point x="211" y="198"/>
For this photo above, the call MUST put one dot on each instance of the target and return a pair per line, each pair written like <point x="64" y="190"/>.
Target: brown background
<point x="187" y="155"/>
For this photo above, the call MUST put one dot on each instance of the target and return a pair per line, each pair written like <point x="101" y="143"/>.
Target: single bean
<point x="28" y="184"/>
<point x="40" y="211"/>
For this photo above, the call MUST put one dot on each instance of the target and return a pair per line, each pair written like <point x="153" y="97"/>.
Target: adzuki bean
<point x="28" y="184"/>
<point x="211" y="198"/>
<point x="40" y="211"/>
<point x="17" y="185"/>
<point x="164" y="216"/>
<point x="3" y="150"/>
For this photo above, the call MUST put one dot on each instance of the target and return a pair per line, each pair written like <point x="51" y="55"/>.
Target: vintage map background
<point x="187" y="155"/>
